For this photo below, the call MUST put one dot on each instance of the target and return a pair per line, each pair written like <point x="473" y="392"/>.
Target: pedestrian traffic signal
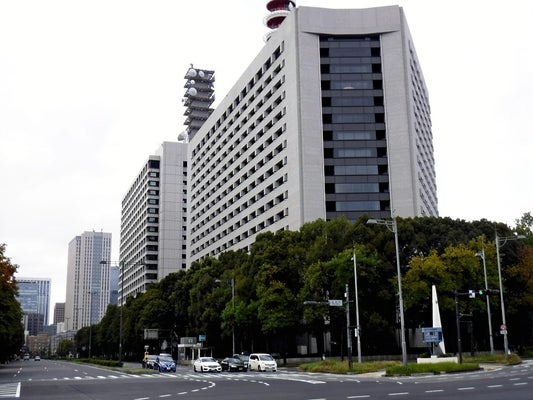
<point x="488" y="292"/>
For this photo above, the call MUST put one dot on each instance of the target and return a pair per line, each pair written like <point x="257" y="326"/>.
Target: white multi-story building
<point x="331" y="119"/>
<point x="88" y="267"/>
<point x="154" y="221"/>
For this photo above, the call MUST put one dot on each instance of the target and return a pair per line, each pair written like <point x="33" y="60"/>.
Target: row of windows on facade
<point x="150" y="165"/>
<point x="256" y="158"/>
<point x="243" y="236"/>
<point x="238" y="178"/>
<point x="254" y="111"/>
<point x="277" y="180"/>
<point x="222" y="220"/>
<point x="369" y="187"/>
<point x="353" y="101"/>
<point x="137" y="197"/>
<point x="132" y="221"/>
<point x="137" y="193"/>
<point x="238" y="106"/>
<point x="239" y="142"/>
<point x="362" y="205"/>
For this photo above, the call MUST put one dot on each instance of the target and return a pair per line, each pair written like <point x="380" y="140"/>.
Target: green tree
<point x="11" y="329"/>
<point x="66" y="347"/>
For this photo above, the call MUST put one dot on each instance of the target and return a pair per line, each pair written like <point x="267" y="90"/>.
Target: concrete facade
<point x="153" y="222"/>
<point x="330" y="119"/>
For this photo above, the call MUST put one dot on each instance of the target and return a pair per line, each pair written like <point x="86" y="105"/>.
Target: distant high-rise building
<point x="88" y="268"/>
<point x="34" y="298"/>
<point x="114" y="273"/>
<point x="59" y="313"/>
<point x="331" y="119"/>
<point x="153" y="230"/>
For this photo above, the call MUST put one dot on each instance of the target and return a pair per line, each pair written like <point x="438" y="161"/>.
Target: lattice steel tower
<point x="198" y="98"/>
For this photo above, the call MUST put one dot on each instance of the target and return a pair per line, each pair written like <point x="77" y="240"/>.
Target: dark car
<point x="244" y="358"/>
<point x="233" y="364"/>
<point x="164" y="364"/>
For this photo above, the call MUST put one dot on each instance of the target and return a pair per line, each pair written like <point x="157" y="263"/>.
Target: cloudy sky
<point x="88" y="89"/>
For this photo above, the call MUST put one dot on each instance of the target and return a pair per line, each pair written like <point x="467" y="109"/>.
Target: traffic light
<point x="488" y="292"/>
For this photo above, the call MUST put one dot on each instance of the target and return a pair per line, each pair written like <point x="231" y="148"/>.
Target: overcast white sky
<point x="88" y="89"/>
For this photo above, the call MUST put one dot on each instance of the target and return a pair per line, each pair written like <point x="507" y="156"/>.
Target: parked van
<point x="262" y="362"/>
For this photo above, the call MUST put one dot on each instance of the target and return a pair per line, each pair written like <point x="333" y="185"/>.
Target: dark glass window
<point x="357" y="188"/>
<point x="357" y="206"/>
<point x="355" y="170"/>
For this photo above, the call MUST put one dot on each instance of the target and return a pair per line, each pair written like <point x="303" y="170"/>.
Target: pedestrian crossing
<point x="10" y="390"/>
<point x="294" y="376"/>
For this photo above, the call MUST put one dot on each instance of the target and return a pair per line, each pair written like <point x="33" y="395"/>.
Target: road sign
<point x="335" y="303"/>
<point x="432" y="335"/>
<point x="503" y="329"/>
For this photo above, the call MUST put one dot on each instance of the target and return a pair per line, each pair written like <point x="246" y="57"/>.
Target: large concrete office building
<point x="331" y="119"/>
<point x="34" y="298"/>
<point x="88" y="268"/>
<point x="153" y="229"/>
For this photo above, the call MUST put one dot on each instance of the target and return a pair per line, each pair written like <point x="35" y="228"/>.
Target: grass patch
<point x="341" y="367"/>
<point x="511" y="359"/>
<point x="113" y="365"/>
<point x="436" y="368"/>
<point x="391" y="368"/>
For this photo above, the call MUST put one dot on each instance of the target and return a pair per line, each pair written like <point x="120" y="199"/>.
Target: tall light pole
<point x="391" y="225"/>
<point x="357" y="328"/>
<point x="90" y="320"/>
<point x="500" y="242"/>
<point x="481" y="254"/>
<point x="120" y="272"/>
<point x="233" y="322"/>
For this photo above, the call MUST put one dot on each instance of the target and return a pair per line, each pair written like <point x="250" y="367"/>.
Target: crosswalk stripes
<point x="10" y="389"/>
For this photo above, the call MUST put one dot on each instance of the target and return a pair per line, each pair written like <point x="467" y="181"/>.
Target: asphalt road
<point x="58" y="380"/>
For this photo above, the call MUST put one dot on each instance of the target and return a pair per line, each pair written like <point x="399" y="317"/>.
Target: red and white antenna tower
<point x="278" y="11"/>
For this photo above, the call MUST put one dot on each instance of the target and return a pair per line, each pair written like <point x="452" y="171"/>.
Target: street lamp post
<point x="121" y="271"/>
<point x="90" y="320"/>
<point x="500" y="242"/>
<point x="357" y="328"/>
<point x="233" y="322"/>
<point x="393" y="227"/>
<point x="481" y="254"/>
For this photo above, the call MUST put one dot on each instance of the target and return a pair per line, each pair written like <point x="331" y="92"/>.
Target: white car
<point x="206" y="364"/>
<point x="262" y="362"/>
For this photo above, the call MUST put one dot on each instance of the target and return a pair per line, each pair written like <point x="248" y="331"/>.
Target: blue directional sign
<point x="432" y="335"/>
